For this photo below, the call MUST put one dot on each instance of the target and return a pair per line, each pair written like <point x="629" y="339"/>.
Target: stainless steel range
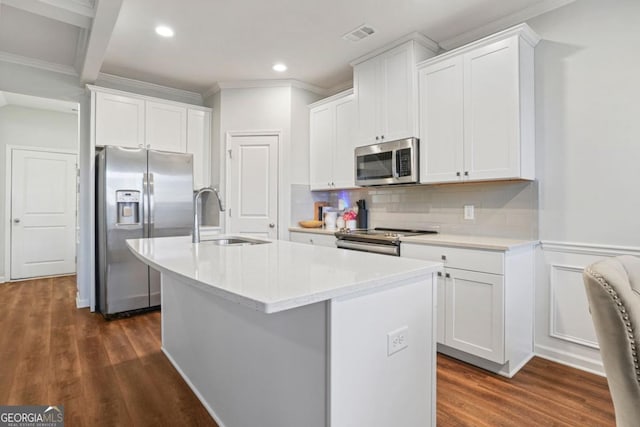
<point x="379" y="240"/>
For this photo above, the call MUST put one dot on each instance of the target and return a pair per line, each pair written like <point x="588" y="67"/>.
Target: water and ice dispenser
<point x="128" y="205"/>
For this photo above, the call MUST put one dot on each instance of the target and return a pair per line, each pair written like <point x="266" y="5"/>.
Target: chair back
<point x="613" y="291"/>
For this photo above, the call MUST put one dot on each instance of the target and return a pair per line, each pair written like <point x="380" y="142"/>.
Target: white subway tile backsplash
<point x="503" y="209"/>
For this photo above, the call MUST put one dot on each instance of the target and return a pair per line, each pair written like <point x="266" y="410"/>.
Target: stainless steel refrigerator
<point x="140" y="193"/>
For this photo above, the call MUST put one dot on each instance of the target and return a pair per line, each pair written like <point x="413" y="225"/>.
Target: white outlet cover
<point x="469" y="212"/>
<point x="397" y="340"/>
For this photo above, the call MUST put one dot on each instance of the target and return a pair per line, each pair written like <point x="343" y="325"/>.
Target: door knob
<point x="16" y="220"/>
<point x="272" y="225"/>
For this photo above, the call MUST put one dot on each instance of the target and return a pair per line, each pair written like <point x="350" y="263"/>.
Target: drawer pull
<point x="439" y="273"/>
<point x="444" y="257"/>
<point x="447" y="275"/>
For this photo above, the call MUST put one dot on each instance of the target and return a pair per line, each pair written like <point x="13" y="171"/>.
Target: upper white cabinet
<point x="119" y="120"/>
<point x="198" y="137"/>
<point x="332" y="143"/>
<point x="166" y="126"/>
<point x="385" y="89"/>
<point x="135" y="121"/>
<point x="477" y="110"/>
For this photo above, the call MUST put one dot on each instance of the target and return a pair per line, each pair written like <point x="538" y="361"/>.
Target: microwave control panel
<point x="403" y="162"/>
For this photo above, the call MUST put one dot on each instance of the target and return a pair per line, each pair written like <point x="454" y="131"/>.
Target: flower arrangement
<point x="349" y="215"/>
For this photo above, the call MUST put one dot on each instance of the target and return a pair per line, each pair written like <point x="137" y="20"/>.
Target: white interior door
<point x="253" y="185"/>
<point x="43" y="217"/>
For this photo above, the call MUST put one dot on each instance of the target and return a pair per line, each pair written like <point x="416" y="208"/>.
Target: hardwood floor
<point x="113" y="373"/>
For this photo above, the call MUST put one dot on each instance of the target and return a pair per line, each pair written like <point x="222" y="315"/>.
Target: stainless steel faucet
<point x="196" y="217"/>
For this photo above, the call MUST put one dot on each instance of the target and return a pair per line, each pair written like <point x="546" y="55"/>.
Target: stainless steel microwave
<point x="393" y="162"/>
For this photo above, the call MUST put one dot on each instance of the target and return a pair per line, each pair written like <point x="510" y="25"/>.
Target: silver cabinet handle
<point x="272" y="225"/>
<point x="16" y="220"/>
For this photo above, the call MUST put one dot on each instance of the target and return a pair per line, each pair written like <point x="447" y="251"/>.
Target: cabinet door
<point x="367" y="97"/>
<point x="441" y="121"/>
<point x="166" y="127"/>
<point x="492" y="131"/>
<point x="198" y="142"/>
<point x="474" y="314"/>
<point x="397" y="94"/>
<point x="321" y="141"/>
<point x="119" y="120"/>
<point x="441" y="318"/>
<point x="344" y="144"/>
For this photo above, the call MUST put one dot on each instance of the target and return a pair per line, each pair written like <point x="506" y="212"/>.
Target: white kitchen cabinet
<point x="328" y="240"/>
<point x="135" y="121"/>
<point x="485" y="304"/>
<point x="198" y="144"/>
<point x="332" y="143"/>
<point x="119" y="120"/>
<point x="385" y="90"/>
<point x="477" y="110"/>
<point x="166" y="127"/>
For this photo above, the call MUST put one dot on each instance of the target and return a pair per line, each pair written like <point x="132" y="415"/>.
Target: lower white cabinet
<point x="485" y="304"/>
<point x="328" y="240"/>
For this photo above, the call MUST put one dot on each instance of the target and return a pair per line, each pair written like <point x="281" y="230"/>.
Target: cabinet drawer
<point x="465" y="259"/>
<point x="313" y="239"/>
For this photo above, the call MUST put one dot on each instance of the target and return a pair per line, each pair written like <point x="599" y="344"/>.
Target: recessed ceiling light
<point x="164" y="31"/>
<point x="279" y="67"/>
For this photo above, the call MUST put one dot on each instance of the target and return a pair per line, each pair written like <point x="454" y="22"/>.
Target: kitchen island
<point x="284" y="334"/>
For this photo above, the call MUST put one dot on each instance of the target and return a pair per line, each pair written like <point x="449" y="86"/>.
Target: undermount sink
<point x="235" y="241"/>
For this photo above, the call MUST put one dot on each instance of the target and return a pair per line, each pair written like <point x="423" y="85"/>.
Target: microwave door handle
<point x="394" y="163"/>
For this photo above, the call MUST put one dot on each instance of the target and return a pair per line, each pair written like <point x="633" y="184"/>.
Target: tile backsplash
<point x="503" y="209"/>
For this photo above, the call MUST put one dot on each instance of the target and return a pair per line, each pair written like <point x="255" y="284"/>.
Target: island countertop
<point x="278" y="275"/>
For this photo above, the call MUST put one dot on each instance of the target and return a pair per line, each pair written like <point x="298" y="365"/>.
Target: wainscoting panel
<point x="570" y="319"/>
<point x="563" y="328"/>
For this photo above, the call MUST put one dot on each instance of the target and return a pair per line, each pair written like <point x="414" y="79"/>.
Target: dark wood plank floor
<point x="113" y="373"/>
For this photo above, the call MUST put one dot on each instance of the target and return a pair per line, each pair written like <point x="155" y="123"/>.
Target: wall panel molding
<point x="589" y="248"/>
<point x="556" y="310"/>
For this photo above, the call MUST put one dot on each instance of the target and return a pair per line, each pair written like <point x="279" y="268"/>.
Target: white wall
<point x="587" y="153"/>
<point x="31" y="127"/>
<point x="282" y="108"/>
<point x="46" y="84"/>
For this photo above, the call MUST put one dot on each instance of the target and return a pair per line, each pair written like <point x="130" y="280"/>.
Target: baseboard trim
<point x="194" y="389"/>
<point x="565" y="358"/>
<point x="505" y="370"/>
<point x="82" y="302"/>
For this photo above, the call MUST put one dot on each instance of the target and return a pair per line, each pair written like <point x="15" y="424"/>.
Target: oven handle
<point x="367" y="247"/>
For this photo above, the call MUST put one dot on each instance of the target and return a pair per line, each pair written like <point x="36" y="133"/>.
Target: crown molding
<point x="340" y="95"/>
<point x="416" y="37"/>
<point x="504" y="22"/>
<point x="38" y="63"/>
<point x="127" y="84"/>
<point x="341" y="87"/>
<point x="252" y="84"/>
<point x="522" y="30"/>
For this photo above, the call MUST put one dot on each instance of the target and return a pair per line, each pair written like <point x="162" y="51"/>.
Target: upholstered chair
<point x="613" y="290"/>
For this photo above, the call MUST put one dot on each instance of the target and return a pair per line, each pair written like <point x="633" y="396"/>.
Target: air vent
<point x="359" y="33"/>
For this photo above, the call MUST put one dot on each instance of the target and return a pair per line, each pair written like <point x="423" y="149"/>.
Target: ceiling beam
<point x="107" y="12"/>
<point x="59" y="10"/>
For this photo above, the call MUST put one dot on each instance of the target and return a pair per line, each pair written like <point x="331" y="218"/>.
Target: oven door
<point x="377" y="248"/>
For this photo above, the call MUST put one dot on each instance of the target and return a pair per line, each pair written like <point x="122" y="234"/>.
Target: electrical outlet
<point x="397" y="340"/>
<point x="469" y="212"/>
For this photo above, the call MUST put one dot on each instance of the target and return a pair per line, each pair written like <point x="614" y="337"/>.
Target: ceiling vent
<point x="359" y="33"/>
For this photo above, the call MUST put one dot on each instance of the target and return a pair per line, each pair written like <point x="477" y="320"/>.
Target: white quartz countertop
<point x="279" y="275"/>
<point x="466" y="241"/>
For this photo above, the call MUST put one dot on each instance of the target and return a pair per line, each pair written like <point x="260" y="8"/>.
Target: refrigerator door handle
<point x="150" y="192"/>
<point x="145" y="204"/>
